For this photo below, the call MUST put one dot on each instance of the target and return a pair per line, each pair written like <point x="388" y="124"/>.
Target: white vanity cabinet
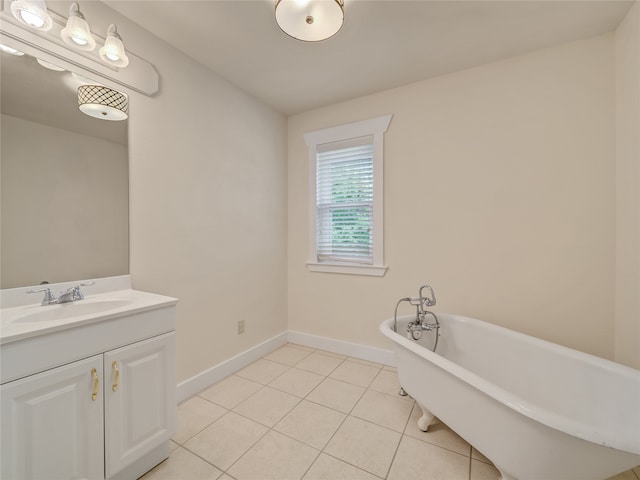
<point x="139" y="400"/>
<point x="51" y="427"/>
<point x="93" y="401"/>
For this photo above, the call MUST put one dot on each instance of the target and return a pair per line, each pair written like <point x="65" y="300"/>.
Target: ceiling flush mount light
<point x="113" y="51"/>
<point x="310" y="20"/>
<point x="103" y="103"/>
<point x="77" y="33"/>
<point x="32" y="13"/>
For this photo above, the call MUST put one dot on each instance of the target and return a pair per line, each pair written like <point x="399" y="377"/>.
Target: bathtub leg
<point x="402" y="392"/>
<point x="425" y="420"/>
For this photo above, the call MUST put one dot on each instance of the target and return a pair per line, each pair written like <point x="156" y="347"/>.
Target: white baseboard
<point x="356" y="350"/>
<point x="205" y="379"/>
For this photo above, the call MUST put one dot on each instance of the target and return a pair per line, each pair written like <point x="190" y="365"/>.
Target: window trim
<point x="375" y="127"/>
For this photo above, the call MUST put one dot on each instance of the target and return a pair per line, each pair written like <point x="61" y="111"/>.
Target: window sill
<point x="371" y="270"/>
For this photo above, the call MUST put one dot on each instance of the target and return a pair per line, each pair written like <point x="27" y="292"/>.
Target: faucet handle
<point x="78" y="294"/>
<point x="49" y="297"/>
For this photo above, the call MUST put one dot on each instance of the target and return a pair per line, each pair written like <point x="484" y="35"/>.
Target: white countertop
<point x="24" y="321"/>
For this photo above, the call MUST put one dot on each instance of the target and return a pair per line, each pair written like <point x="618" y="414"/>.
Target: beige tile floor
<point x="300" y="413"/>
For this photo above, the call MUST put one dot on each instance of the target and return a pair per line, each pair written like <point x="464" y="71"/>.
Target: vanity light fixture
<point x="103" y="103"/>
<point x="77" y="33"/>
<point x="32" y="13"/>
<point x="310" y="20"/>
<point x="113" y="51"/>
<point x="11" y="51"/>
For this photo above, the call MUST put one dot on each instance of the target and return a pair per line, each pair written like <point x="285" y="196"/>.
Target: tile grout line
<point x="202" y="458"/>
<point x="282" y="363"/>
<point x="300" y="399"/>
<point x="346" y="416"/>
<point x="271" y="429"/>
<point x="352" y="465"/>
<point x="208" y="425"/>
<point x="224" y="471"/>
<point x="393" y="459"/>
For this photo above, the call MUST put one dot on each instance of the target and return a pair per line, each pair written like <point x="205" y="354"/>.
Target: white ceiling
<point x="383" y="44"/>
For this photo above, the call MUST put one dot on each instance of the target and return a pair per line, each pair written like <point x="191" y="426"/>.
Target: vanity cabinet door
<point x="140" y="405"/>
<point x="52" y="423"/>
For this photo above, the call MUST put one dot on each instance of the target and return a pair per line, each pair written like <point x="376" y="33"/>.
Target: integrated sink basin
<point x="71" y="310"/>
<point x="26" y="321"/>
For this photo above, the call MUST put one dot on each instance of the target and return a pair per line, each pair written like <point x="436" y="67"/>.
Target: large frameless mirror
<point x="64" y="180"/>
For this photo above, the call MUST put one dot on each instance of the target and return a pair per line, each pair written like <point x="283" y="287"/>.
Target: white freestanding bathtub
<point x="537" y="410"/>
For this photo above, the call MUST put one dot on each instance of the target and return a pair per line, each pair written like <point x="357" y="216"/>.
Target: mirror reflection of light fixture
<point x="113" y="51"/>
<point x="49" y="65"/>
<point x="103" y="103"/>
<point x="11" y="51"/>
<point x="310" y="20"/>
<point x="32" y="13"/>
<point x="77" y="33"/>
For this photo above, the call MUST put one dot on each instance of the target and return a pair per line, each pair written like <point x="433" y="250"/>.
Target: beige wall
<point x="499" y="192"/>
<point x="64" y="205"/>
<point x="499" y="184"/>
<point x="208" y="202"/>
<point x="627" y="325"/>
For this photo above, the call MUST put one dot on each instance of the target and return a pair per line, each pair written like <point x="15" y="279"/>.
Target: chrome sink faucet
<point x="72" y="294"/>
<point x="49" y="297"/>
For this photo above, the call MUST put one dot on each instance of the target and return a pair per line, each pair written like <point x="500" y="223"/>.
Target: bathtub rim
<point x="552" y="420"/>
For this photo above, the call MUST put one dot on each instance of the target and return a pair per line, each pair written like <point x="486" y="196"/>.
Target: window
<point x="344" y="201"/>
<point x="345" y="208"/>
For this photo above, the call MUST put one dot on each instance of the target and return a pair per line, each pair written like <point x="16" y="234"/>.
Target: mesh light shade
<point x="103" y="103"/>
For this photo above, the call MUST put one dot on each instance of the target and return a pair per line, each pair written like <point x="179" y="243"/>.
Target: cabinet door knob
<point x="116" y="374"/>
<point x="96" y="384"/>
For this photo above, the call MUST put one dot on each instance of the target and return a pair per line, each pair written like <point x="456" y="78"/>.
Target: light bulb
<point x="79" y="40"/>
<point x="31" y="18"/>
<point x="77" y="33"/>
<point x="32" y="13"/>
<point x="113" y="51"/>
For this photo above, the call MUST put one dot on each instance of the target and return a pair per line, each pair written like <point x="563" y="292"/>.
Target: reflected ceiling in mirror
<point x="36" y="93"/>
<point x="64" y="180"/>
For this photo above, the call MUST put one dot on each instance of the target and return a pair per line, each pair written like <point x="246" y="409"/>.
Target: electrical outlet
<point x="240" y="327"/>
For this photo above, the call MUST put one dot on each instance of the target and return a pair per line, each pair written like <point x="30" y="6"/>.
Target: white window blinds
<point x="344" y="201"/>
